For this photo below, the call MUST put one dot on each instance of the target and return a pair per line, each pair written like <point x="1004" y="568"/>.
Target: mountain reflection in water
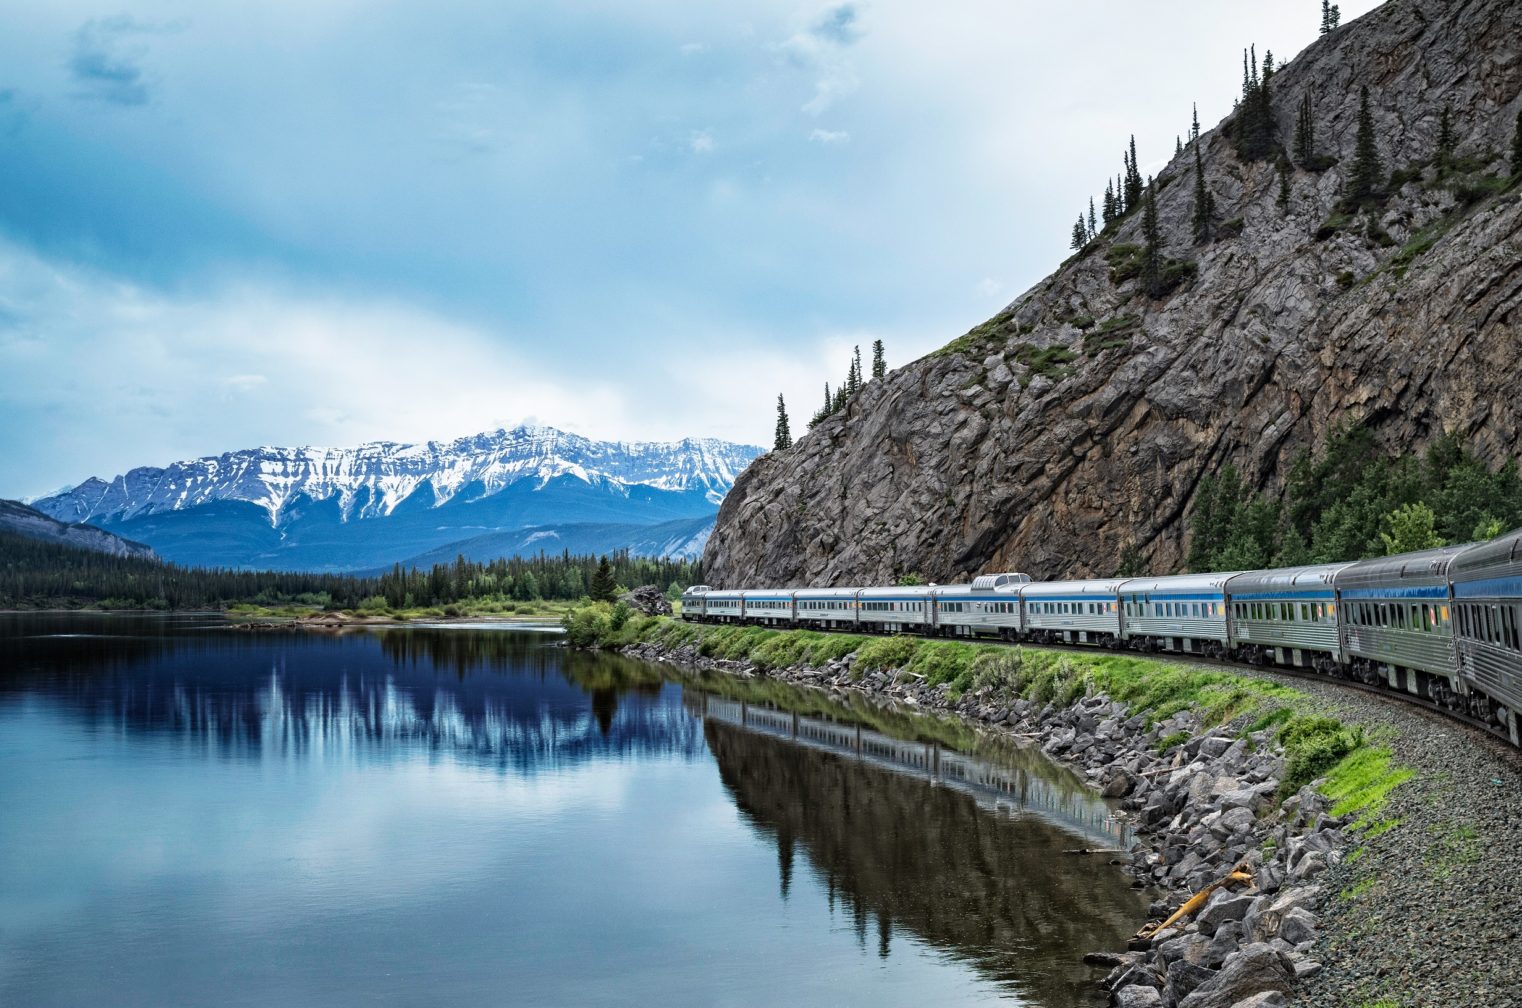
<point x="918" y="841"/>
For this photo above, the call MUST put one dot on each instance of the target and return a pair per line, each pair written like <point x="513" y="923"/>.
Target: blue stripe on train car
<point x="1391" y="592"/>
<point x="1256" y="596"/>
<point x="1173" y="596"/>
<point x="1510" y="587"/>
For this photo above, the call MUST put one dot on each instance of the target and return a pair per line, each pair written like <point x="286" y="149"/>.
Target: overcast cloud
<point x="293" y="223"/>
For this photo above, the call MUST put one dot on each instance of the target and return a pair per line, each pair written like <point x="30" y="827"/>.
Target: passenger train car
<point x="1442" y="624"/>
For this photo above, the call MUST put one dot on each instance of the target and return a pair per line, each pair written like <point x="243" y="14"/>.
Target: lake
<point x="193" y="814"/>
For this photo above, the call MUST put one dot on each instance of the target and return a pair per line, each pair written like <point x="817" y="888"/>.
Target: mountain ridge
<point x="381" y="502"/>
<point x="20" y="519"/>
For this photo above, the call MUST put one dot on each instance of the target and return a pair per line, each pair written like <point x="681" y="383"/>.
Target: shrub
<point x="885" y="653"/>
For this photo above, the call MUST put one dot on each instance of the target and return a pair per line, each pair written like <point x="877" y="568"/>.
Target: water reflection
<point x="580" y="828"/>
<point x="899" y="849"/>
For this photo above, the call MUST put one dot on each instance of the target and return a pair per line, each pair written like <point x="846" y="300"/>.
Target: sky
<point x="287" y="223"/>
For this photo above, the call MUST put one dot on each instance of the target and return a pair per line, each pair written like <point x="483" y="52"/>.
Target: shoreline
<point x="1200" y="810"/>
<point x="1352" y="867"/>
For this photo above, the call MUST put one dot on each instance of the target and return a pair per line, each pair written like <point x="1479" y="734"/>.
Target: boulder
<point x="648" y="600"/>
<point x="1137" y="996"/>
<point x="1253" y="970"/>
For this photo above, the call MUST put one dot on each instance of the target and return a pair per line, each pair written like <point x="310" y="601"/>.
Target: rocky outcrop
<point x="648" y="600"/>
<point x="1074" y="427"/>
<point x="19" y="519"/>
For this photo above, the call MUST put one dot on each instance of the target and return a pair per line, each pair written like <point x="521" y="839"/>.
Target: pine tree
<point x="1152" y="251"/>
<point x="1133" y="178"/>
<point x="1284" y="189"/>
<point x="1109" y="212"/>
<point x="1194" y="123"/>
<point x="1204" y="203"/>
<point x="1516" y="147"/>
<point x="1331" y="16"/>
<point x="1445" y="143"/>
<point x="1080" y="236"/>
<point x="1305" y="133"/>
<point x="1364" y="177"/>
<point x="1178" y="145"/>
<point x="880" y="361"/>
<point x="784" y="436"/>
<point x="1093" y="227"/>
<point x="603" y="587"/>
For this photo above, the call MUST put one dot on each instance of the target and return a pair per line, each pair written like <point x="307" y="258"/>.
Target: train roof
<point x="696" y="590"/>
<point x="1287" y="579"/>
<point x="1178" y="583"/>
<point x="1009" y="581"/>
<point x="898" y="591"/>
<point x="1501" y="555"/>
<point x="826" y="593"/>
<point x="1423" y="567"/>
<point x="1091" y="586"/>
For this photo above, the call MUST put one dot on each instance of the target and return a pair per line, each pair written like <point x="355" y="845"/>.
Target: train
<point x="1443" y="625"/>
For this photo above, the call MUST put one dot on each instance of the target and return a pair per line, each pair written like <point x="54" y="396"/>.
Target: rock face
<point x="17" y="518"/>
<point x="1074" y="427"/>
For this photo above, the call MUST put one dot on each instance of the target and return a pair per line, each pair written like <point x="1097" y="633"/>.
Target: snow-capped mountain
<point x="354" y="508"/>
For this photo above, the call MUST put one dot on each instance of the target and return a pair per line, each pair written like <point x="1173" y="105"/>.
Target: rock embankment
<point x="1206" y="808"/>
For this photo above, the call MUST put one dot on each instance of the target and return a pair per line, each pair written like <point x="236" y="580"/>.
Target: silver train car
<point x="1397" y="623"/>
<point x="1185" y="612"/>
<point x="1442" y="624"/>
<point x="1487" y="609"/>
<point x="1287" y="617"/>
<point x="1073" y="612"/>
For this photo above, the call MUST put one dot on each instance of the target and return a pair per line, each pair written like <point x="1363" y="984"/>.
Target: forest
<point x="39" y="575"/>
<point x="1352" y="501"/>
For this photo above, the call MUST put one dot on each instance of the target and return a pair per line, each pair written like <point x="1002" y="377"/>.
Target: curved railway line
<point x="1440" y="629"/>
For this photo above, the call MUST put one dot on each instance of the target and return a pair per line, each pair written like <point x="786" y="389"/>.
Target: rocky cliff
<point x="1074" y="427"/>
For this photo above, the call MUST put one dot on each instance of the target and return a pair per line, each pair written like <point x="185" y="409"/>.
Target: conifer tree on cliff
<point x="1445" y="142"/>
<point x="1305" y="132"/>
<point x="1152" y="251"/>
<point x="602" y="588"/>
<point x="880" y="360"/>
<point x="784" y="436"/>
<point x="1330" y="16"/>
<point x="1133" y="178"/>
<point x="1364" y="177"/>
<point x="1093" y="225"/>
<point x="1080" y="236"/>
<point x="1109" y="212"/>
<point x="1204" y="203"/>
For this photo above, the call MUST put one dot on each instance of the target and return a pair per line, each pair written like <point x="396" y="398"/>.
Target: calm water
<point x="196" y="815"/>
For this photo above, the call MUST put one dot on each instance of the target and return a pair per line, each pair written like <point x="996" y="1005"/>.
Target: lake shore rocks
<point x="1204" y="810"/>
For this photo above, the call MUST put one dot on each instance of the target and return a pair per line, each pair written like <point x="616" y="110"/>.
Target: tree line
<point x="1352" y="501"/>
<point x="35" y="574"/>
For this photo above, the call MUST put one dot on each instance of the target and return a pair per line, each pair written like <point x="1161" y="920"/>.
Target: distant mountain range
<point x="18" y="518"/>
<point x="500" y="493"/>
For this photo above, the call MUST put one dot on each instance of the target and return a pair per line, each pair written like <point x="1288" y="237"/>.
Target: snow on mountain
<point x="371" y="480"/>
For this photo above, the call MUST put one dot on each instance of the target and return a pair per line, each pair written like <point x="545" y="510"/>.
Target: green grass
<point x="1358" y="776"/>
<point x="1357" y="889"/>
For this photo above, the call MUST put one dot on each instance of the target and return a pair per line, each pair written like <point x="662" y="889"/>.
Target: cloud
<point x="838" y="25"/>
<point x="694" y="48"/>
<point x="92" y="355"/>
<point x="700" y="142"/>
<point x="821" y="47"/>
<point x="107" y="59"/>
<point x="824" y="136"/>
